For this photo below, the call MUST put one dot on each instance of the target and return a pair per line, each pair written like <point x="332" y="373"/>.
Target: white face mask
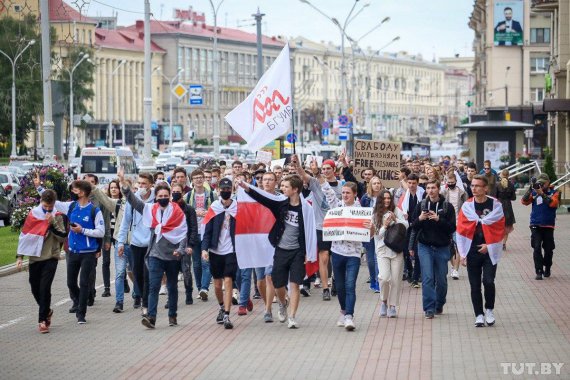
<point x="214" y="180"/>
<point x="142" y="192"/>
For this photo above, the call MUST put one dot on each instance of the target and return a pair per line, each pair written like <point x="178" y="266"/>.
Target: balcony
<point x="544" y="5"/>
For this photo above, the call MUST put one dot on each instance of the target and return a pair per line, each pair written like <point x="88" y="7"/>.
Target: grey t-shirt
<point x="320" y="204"/>
<point x="290" y="238"/>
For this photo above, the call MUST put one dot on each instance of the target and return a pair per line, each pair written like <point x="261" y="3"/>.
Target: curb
<point x="9" y="269"/>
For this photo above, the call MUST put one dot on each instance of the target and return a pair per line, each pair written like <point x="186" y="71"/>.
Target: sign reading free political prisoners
<point x="347" y="223"/>
<point x="383" y="156"/>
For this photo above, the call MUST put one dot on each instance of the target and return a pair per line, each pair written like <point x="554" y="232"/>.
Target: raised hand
<point x="121" y="176"/>
<point x="36" y="179"/>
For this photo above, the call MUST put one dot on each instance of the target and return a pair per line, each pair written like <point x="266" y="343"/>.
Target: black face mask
<point x="451" y="185"/>
<point x="225" y="195"/>
<point x="74" y="197"/>
<point x="163" y="202"/>
<point x="176" y="197"/>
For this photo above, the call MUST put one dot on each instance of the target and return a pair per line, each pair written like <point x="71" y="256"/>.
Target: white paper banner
<point x="347" y="223"/>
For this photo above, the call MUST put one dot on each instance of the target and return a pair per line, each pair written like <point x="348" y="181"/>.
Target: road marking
<point x="12" y="322"/>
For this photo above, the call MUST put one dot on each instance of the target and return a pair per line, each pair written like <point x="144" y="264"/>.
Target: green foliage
<point x="9" y="241"/>
<point x="201" y="142"/>
<point x="524" y="160"/>
<point x="14" y="37"/>
<point x="78" y="151"/>
<point x="82" y="79"/>
<point x="549" y="165"/>
<point x="22" y="151"/>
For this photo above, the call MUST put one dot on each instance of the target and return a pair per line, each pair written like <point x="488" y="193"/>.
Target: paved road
<point x="533" y="327"/>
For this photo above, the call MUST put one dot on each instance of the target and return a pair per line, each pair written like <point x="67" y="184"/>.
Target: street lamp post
<point x="13" y="62"/>
<point x="71" y="147"/>
<point x="170" y="83"/>
<point x="325" y="67"/>
<point x="507" y="117"/>
<point x="216" y="80"/>
<point x="111" y="100"/>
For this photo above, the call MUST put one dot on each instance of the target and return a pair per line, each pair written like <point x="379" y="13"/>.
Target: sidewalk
<point x="533" y="327"/>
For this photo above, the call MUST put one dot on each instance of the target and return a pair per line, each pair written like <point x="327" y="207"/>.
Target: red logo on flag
<point x="263" y="109"/>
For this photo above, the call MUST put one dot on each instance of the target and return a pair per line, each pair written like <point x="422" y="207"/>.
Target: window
<point x="195" y="67"/>
<point x="540" y="35"/>
<point x="180" y="57"/>
<point x="536" y="94"/>
<point x="188" y="67"/>
<point x="538" y="64"/>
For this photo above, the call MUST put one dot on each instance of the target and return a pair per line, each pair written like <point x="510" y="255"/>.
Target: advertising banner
<point x="508" y="22"/>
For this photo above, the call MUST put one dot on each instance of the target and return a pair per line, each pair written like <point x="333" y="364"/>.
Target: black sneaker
<point x="257" y="296"/>
<point x="228" y="325"/>
<point x="148" y="322"/>
<point x="547" y="272"/>
<point x="429" y="315"/>
<point x="305" y="292"/>
<point x="166" y="305"/>
<point x="127" y="287"/>
<point x="538" y="276"/>
<point x="220" y="317"/>
<point x="326" y="295"/>
<point x="415" y="285"/>
<point x="118" y="307"/>
<point x="189" y="300"/>
<point x="81" y="320"/>
<point x="90" y="301"/>
<point x="137" y="303"/>
<point x="106" y="293"/>
<point x="439" y="311"/>
<point x="74" y="309"/>
<point x="172" y="321"/>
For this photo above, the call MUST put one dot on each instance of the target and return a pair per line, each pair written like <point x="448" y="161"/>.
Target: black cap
<point x="225" y="183"/>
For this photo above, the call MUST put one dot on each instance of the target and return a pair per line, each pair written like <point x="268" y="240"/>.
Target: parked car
<point x="161" y="160"/>
<point x="172" y="162"/>
<point x="5" y="207"/>
<point x="11" y="185"/>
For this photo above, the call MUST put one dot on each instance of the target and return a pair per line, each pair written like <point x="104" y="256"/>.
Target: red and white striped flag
<point x="493" y="225"/>
<point x="172" y="224"/>
<point x="33" y="233"/>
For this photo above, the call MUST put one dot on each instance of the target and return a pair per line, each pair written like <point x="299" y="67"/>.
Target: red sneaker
<point x="242" y="310"/>
<point x="43" y="328"/>
<point x="249" y="305"/>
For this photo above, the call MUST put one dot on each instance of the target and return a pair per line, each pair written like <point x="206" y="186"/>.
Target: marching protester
<point x="433" y="223"/>
<point x="390" y="259"/>
<point x="294" y="238"/>
<point x="168" y="238"/>
<point x="455" y="196"/>
<point x="544" y="200"/>
<point x="40" y="240"/>
<point x="480" y="231"/>
<point x="369" y="200"/>
<point x="87" y="228"/>
<point x="218" y="247"/>
<point x="506" y="194"/>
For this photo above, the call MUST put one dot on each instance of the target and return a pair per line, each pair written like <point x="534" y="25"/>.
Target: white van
<point x="104" y="162"/>
<point x="179" y="149"/>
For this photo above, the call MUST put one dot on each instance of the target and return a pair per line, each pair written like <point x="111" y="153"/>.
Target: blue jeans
<point x="120" y="268"/>
<point x="345" y="270"/>
<point x="135" y="292"/>
<point x="243" y="280"/>
<point x="201" y="268"/>
<point x="156" y="268"/>
<point x="372" y="261"/>
<point x="433" y="261"/>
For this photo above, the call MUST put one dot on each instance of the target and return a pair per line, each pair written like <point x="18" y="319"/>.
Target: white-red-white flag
<point x="267" y="112"/>
<point x="33" y="233"/>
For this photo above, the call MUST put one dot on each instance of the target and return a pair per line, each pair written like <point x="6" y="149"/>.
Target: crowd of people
<point x="164" y="229"/>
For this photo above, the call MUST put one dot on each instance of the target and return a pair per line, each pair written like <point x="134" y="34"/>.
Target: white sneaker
<point x="349" y="323"/>
<point x="383" y="309"/>
<point x="392" y="312"/>
<point x="480" y="321"/>
<point x="318" y="283"/>
<point x="292" y="323"/>
<point x="235" y="297"/>
<point x="340" y="321"/>
<point x="282" y="313"/>
<point x="180" y="277"/>
<point x="489" y="317"/>
<point x="163" y="290"/>
<point x="455" y="274"/>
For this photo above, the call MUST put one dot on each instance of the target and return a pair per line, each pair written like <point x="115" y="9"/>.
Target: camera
<point x="535" y="183"/>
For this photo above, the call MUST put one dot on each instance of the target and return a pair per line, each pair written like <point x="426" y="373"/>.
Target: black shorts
<point x="223" y="265"/>
<point x="288" y="265"/>
<point x="323" y="245"/>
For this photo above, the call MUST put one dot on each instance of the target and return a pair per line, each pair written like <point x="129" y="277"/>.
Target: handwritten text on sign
<point x="383" y="156"/>
<point x="347" y="223"/>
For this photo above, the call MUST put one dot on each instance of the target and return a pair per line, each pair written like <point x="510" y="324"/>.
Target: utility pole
<point x="216" y="79"/>
<point x="507" y="116"/>
<point x="48" y="124"/>
<point x="111" y="100"/>
<point x="258" y="16"/>
<point x="147" y="153"/>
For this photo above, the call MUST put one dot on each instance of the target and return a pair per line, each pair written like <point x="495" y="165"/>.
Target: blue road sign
<point x="196" y="94"/>
<point x="343" y="120"/>
<point x="343" y="133"/>
<point x="291" y="138"/>
<point x="326" y="131"/>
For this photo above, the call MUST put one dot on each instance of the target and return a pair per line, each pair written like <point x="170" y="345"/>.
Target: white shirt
<point x="225" y="246"/>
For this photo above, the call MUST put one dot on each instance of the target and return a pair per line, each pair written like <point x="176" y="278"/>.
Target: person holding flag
<point x="480" y="232"/>
<point x="168" y="238"/>
<point x="41" y="238"/>
<point x="218" y="247"/>
<point x="294" y="237"/>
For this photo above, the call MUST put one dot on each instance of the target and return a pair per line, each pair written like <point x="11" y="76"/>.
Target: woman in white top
<point x="345" y="258"/>
<point x="390" y="263"/>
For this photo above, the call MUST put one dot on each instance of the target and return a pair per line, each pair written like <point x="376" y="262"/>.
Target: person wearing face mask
<point x="87" y="227"/>
<point x="216" y="174"/>
<point x="133" y="233"/>
<point x="168" y="238"/>
<point x="369" y="200"/>
<point x="192" y="224"/>
<point x="46" y="226"/>
<point x="455" y="196"/>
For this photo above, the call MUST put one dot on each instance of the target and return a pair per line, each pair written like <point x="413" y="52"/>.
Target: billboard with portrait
<point x="508" y="22"/>
<point x="176" y="136"/>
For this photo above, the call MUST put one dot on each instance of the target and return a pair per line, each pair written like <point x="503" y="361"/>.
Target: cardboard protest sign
<point x="347" y="223"/>
<point x="383" y="156"/>
<point x="310" y="158"/>
<point x="275" y="163"/>
<point x="264" y="157"/>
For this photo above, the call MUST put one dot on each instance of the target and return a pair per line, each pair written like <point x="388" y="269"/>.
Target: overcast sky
<point x="429" y="27"/>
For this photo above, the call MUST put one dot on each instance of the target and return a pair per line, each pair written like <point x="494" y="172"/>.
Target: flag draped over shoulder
<point x="33" y="233"/>
<point x="493" y="225"/>
<point x="404" y="202"/>
<point x="267" y="111"/>
<point x="172" y="224"/>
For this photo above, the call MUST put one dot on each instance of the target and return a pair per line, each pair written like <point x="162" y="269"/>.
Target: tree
<point x="549" y="165"/>
<point x="14" y="36"/>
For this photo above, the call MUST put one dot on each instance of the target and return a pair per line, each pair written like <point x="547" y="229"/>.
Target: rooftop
<point x="60" y="11"/>
<point x="123" y="39"/>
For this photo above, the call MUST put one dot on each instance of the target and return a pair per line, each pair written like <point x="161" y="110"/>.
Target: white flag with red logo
<point x="267" y="112"/>
<point x="33" y="233"/>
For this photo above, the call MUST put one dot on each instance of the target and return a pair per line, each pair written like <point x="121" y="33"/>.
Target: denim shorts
<point x="262" y="272"/>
